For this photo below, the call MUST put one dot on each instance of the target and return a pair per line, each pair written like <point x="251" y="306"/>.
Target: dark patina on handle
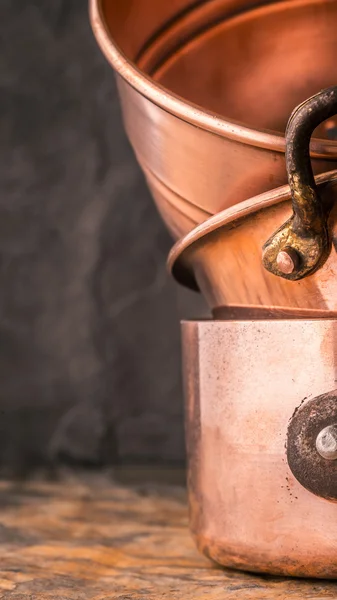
<point x="302" y="244"/>
<point x="312" y="445"/>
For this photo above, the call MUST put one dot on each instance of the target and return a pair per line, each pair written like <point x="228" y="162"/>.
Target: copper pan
<point x="223" y="258"/>
<point x="262" y="478"/>
<point x="206" y="88"/>
<point x="277" y="250"/>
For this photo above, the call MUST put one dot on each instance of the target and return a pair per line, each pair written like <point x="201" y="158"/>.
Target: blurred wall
<point x="89" y="318"/>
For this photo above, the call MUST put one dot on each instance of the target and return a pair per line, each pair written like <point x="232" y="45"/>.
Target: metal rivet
<point x="287" y="261"/>
<point x="326" y="442"/>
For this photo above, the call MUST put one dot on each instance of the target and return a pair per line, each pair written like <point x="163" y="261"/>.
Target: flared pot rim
<point x="185" y="110"/>
<point x="227" y="217"/>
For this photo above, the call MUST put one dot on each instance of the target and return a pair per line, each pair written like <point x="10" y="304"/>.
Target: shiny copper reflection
<point x="223" y="257"/>
<point x="214" y="85"/>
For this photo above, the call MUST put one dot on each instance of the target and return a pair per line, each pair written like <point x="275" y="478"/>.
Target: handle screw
<point x="326" y="442"/>
<point x="287" y="261"/>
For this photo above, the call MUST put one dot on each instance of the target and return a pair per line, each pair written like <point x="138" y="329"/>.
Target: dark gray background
<point x="89" y="318"/>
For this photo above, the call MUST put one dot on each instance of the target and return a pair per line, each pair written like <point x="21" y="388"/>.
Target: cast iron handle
<point x="302" y="244"/>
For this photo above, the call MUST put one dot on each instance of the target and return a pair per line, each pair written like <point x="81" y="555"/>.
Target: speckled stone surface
<point x="94" y="539"/>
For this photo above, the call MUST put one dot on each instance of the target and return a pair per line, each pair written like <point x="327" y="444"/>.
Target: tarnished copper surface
<point x="269" y="312"/>
<point x="316" y="472"/>
<point x="244" y="381"/>
<point x="223" y="257"/>
<point x="205" y="112"/>
<point x="206" y="88"/>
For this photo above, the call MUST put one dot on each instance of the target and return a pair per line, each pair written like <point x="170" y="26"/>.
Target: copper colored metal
<point x="223" y="258"/>
<point x="206" y="90"/>
<point x="245" y="381"/>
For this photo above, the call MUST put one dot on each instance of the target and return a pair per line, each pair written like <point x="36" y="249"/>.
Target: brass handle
<point x="302" y="244"/>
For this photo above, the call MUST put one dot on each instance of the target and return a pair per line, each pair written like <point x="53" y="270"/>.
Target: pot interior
<point x="249" y="65"/>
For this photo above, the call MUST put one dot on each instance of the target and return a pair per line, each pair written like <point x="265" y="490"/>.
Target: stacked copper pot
<point x="230" y="108"/>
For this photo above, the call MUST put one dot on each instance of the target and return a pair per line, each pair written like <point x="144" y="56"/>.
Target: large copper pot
<point x="206" y="89"/>
<point x="261" y="403"/>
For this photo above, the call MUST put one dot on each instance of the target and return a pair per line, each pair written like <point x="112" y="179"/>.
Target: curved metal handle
<point x="302" y="244"/>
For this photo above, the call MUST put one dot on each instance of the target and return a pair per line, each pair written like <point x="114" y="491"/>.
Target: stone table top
<point x="95" y="538"/>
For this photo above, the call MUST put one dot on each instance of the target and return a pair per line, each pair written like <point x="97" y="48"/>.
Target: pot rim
<point x="331" y="316"/>
<point x="175" y="262"/>
<point x="187" y="111"/>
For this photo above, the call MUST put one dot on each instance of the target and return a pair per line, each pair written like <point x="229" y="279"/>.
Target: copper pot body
<point x="223" y="258"/>
<point x="244" y="380"/>
<point x="206" y="89"/>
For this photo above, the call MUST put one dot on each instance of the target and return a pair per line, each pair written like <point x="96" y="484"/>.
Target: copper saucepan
<point x="206" y="88"/>
<point x="261" y="428"/>
<point x="275" y="251"/>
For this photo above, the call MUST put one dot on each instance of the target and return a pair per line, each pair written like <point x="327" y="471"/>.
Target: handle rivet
<point x="287" y="261"/>
<point x="326" y="442"/>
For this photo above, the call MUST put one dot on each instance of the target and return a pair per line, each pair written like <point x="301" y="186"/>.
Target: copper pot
<point x="206" y="88"/>
<point x="276" y="250"/>
<point x="223" y="258"/>
<point x="261" y="426"/>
